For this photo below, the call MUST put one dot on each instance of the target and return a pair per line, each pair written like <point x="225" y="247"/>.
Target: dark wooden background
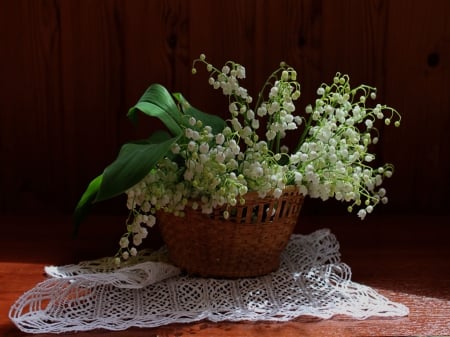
<point x="70" y="69"/>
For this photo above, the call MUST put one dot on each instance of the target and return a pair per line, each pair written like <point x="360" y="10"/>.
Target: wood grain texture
<point x="30" y="98"/>
<point x="71" y="69"/>
<point x="419" y="87"/>
<point x="394" y="255"/>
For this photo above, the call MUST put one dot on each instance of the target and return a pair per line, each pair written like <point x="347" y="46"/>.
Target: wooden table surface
<point x="406" y="259"/>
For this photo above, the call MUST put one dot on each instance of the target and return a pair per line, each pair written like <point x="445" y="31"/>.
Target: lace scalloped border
<point x="148" y="292"/>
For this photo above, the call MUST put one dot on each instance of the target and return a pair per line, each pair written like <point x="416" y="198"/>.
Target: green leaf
<point x="158" y="102"/>
<point x="134" y="162"/>
<point x="84" y="205"/>
<point x="158" y="136"/>
<point x="215" y="122"/>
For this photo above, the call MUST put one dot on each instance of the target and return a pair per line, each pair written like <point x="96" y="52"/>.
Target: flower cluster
<point x="207" y="169"/>
<point x="333" y="159"/>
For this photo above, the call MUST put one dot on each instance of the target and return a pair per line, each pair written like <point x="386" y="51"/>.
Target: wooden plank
<point x="417" y="76"/>
<point x="30" y="105"/>
<point x="71" y="69"/>
<point x="91" y="77"/>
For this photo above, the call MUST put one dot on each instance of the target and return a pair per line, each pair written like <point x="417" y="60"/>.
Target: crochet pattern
<point x="148" y="293"/>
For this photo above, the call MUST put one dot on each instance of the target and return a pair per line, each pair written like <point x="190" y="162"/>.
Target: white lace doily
<point x="147" y="293"/>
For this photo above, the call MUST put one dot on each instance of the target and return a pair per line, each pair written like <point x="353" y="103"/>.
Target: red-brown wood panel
<point x="71" y="69"/>
<point x="91" y="78"/>
<point x="30" y="104"/>
<point x="417" y="82"/>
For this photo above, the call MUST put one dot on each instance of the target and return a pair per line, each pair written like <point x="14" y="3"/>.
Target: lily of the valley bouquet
<point x="204" y="162"/>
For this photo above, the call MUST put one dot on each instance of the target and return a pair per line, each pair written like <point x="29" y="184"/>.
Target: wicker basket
<point x="247" y="244"/>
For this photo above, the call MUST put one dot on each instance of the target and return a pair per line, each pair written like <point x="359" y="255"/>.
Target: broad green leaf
<point x="158" y="136"/>
<point x="158" y="102"/>
<point x="84" y="205"/>
<point x="215" y="122"/>
<point x="134" y="162"/>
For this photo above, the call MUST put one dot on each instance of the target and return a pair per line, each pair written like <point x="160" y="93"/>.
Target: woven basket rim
<point x="254" y="195"/>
